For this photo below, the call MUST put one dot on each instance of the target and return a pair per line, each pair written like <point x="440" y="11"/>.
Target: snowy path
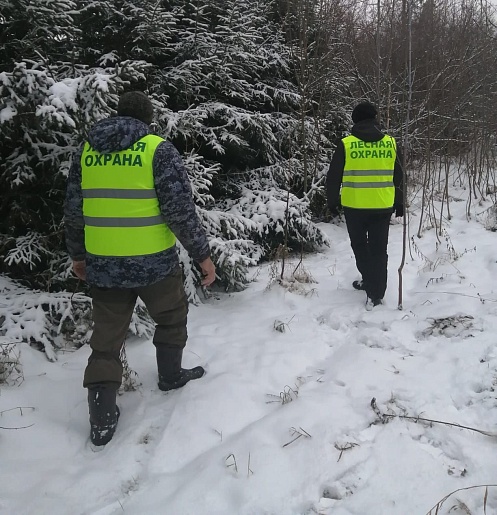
<point x="221" y="445"/>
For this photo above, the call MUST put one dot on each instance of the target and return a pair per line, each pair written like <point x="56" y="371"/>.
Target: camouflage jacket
<point x="175" y="199"/>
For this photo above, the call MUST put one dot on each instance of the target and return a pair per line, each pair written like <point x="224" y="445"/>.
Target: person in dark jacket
<point x="128" y="198"/>
<point x="366" y="179"/>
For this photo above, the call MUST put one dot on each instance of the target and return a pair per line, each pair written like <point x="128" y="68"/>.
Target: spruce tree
<point x="230" y="101"/>
<point x="220" y="76"/>
<point x="47" y="102"/>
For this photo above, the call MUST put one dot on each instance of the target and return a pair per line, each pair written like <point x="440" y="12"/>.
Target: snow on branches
<point x="53" y="321"/>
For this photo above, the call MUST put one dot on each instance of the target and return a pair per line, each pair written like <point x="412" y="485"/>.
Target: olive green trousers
<point x="112" y="311"/>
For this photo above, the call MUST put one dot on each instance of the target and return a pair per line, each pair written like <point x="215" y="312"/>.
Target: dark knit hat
<point x="364" y="111"/>
<point x="137" y="105"/>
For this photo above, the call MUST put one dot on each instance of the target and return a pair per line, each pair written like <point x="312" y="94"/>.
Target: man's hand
<point x="79" y="268"/>
<point x="209" y="272"/>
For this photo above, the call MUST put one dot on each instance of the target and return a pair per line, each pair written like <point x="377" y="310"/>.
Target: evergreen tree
<point x="229" y="99"/>
<point x="35" y="31"/>
<point x="220" y="76"/>
<point x="114" y="32"/>
<point x="46" y="106"/>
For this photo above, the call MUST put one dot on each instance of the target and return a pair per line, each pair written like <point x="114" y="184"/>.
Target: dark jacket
<point x="366" y="130"/>
<point x="175" y="200"/>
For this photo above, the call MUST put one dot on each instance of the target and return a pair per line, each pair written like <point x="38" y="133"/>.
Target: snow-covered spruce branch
<point x="29" y="250"/>
<point x="41" y="318"/>
<point x="50" y="321"/>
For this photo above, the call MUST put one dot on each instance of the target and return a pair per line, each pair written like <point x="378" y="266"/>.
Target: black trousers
<point x="368" y="233"/>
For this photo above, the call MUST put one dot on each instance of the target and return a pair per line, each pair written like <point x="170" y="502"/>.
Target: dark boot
<point x="359" y="285"/>
<point x="372" y="303"/>
<point x="104" y="413"/>
<point x="171" y="375"/>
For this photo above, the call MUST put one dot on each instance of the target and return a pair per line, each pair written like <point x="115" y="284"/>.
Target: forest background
<point x="255" y="94"/>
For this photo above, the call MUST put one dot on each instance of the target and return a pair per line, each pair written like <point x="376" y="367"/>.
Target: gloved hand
<point x="399" y="210"/>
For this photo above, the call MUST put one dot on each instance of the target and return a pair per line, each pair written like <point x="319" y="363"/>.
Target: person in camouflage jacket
<point x="117" y="281"/>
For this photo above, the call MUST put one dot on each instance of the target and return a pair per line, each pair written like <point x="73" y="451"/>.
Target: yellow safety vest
<point x="368" y="173"/>
<point x="120" y="204"/>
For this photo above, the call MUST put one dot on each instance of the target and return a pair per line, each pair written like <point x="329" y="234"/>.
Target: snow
<point x="63" y="94"/>
<point x="7" y="114"/>
<point x="282" y="422"/>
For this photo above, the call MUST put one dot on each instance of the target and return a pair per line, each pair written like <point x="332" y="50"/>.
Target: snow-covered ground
<point x="282" y="423"/>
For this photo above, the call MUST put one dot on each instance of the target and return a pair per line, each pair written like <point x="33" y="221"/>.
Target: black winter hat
<point x="137" y="105"/>
<point x="364" y="111"/>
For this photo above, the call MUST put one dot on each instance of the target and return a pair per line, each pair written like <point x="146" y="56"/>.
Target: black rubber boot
<point x="358" y="285"/>
<point x="171" y="375"/>
<point x="104" y="414"/>
<point x="372" y="303"/>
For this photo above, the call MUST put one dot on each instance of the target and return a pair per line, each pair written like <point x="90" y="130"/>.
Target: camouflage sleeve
<point x="74" y="225"/>
<point x="176" y="201"/>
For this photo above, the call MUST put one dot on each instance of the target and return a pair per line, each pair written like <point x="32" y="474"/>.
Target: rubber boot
<point x="104" y="413"/>
<point x="171" y="375"/>
<point x="359" y="285"/>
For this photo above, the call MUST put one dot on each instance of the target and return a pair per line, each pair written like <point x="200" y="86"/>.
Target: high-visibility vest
<point x="368" y="173"/>
<point x="120" y="205"/>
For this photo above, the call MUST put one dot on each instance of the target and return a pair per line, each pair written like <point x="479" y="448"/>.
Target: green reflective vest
<point x="120" y="205"/>
<point x="368" y="173"/>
